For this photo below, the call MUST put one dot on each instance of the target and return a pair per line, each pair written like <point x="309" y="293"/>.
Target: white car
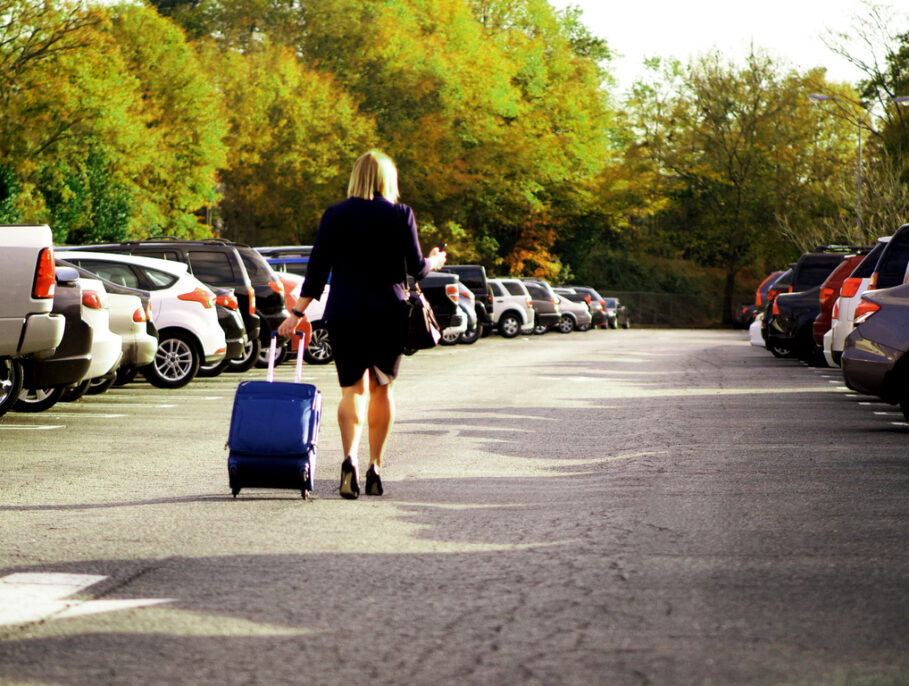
<point x="107" y="346"/>
<point x="182" y="308"/>
<point x="512" y="307"/>
<point x="754" y="331"/>
<point x="842" y="321"/>
<point x="575" y="315"/>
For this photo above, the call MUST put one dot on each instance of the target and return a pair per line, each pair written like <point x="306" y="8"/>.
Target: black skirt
<point x="357" y="346"/>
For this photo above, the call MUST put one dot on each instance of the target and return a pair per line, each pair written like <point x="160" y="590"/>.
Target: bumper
<point x="107" y="349"/>
<point x="140" y="351"/>
<point x="867" y="365"/>
<point x="548" y="319"/>
<point x="41" y="333"/>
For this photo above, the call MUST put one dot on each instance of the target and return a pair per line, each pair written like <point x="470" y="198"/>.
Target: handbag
<point x="423" y="330"/>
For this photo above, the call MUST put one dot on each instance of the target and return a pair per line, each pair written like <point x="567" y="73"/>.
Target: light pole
<point x="820" y="97"/>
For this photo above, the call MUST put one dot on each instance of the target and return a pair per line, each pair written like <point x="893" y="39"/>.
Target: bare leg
<point x="350" y="417"/>
<point x="381" y="417"/>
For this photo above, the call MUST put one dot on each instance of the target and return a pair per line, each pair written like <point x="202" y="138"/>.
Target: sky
<point x="789" y="30"/>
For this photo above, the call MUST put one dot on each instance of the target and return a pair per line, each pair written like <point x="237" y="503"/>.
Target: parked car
<point x="844" y="308"/>
<point x="442" y="293"/>
<point x="182" y="306"/>
<point x="107" y="346"/>
<point x="546" y="312"/>
<point x="45" y="379"/>
<point x="216" y="263"/>
<point x="474" y="277"/>
<point x="512" y="312"/>
<point x="596" y="303"/>
<point x="28" y="325"/>
<point x="575" y="315"/>
<point x="830" y="291"/>
<point x="791" y="318"/>
<point x="236" y="340"/>
<point x="469" y="333"/>
<point x="874" y="359"/>
<point x="292" y="259"/>
<point x="617" y="314"/>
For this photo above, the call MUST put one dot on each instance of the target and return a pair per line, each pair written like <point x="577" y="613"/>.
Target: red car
<point x="830" y="291"/>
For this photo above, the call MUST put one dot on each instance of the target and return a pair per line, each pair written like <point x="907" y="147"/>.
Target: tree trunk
<point x="728" y="292"/>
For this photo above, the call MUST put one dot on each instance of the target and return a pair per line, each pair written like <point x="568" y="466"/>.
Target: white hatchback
<point x="182" y="309"/>
<point x="512" y="307"/>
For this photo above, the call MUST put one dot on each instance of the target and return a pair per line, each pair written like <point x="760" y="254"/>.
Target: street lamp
<point x="900" y="99"/>
<point x="820" y="97"/>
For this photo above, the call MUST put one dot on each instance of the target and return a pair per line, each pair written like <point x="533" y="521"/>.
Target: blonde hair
<point x="374" y="173"/>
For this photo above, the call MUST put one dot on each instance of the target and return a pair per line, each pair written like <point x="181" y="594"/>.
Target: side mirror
<point x="67" y="276"/>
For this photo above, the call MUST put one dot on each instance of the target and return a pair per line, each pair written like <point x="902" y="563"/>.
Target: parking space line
<point x="31" y="427"/>
<point x="88" y="414"/>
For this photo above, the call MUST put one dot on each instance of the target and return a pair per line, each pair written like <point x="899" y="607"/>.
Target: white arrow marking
<point x="31" y="597"/>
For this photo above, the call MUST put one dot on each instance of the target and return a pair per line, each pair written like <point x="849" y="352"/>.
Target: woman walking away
<point x="369" y="244"/>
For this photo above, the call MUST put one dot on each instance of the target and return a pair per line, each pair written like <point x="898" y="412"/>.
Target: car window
<point x="158" y="279"/>
<point x="514" y="287"/>
<point x="611" y="302"/>
<point x="258" y="269"/>
<point x="536" y="292"/>
<point x="892" y="265"/>
<point x="866" y="268"/>
<point x="496" y="289"/>
<point x="159" y="253"/>
<point x="116" y="273"/>
<point x="813" y="274"/>
<point x="212" y="267"/>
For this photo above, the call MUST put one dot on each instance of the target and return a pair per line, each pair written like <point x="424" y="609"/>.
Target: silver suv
<point x="27" y="283"/>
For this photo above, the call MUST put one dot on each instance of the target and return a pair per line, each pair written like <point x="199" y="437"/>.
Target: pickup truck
<point x="27" y="283"/>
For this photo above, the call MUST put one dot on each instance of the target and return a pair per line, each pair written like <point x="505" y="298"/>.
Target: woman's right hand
<point x="437" y="258"/>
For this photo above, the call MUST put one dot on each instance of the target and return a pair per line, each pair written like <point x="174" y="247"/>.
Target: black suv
<point x="790" y="322"/>
<point x="474" y="277"/>
<point x="221" y="263"/>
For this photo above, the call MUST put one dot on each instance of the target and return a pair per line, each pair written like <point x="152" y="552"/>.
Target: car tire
<point x="101" y="384"/>
<point x="781" y="351"/>
<point x="246" y="361"/>
<point x="10" y="383"/>
<point x="212" y="370"/>
<point x="614" y="323"/>
<point x="584" y="327"/>
<point x="450" y="338"/>
<point x="626" y="325"/>
<point x="126" y="375"/>
<point x="280" y="356"/>
<point x="75" y="392"/>
<point x="509" y="326"/>
<point x="470" y="337"/>
<point x="176" y="362"/>
<point x="565" y="325"/>
<point x="539" y="329"/>
<point x="37" y="399"/>
<point x="319" y="349"/>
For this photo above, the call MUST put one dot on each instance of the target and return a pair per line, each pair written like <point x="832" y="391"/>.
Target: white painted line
<point x="900" y="423"/>
<point x="108" y="403"/>
<point x="868" y="403"/>
<point x="34" y="596"/>
<point x="88" y="415"/>
<point x="888" y="414"/>
<point x="32" y="427"/>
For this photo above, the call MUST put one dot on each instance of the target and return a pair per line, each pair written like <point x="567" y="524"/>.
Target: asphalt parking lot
<point x="612" y="507"/>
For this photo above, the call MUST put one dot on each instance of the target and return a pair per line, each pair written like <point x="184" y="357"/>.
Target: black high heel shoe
<point x="350" y="489"/>
<point x="373" y="482"/>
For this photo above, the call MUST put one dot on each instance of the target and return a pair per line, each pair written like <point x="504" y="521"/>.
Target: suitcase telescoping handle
<point x="273" y="353"/>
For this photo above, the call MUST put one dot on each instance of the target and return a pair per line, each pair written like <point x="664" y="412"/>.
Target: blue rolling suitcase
<point x="274" y="429"/>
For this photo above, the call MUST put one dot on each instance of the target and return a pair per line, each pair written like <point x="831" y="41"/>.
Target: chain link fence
<point x="674" y="309"/>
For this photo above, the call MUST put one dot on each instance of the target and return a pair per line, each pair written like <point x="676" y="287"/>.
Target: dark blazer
<point x="368" y="247"/>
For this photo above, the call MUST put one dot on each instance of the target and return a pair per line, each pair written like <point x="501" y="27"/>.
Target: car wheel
<point x="10" y="383"/>
<point x="262" y="359"/>
<point x="509" y="326"/>
<point x="73" y="393"/>
<point x="626" y="324"/>
<point x="211" y="370"/>
<point x="249" y="357"/>
<point x="613" y="323"/>
<point x="37" y="399"/>
<point x="566" y="324"/>
<point x="319" y="349"/>
<point x="101" y="384"/>
<point x="450" y="338"/>
<point x="176" y="362"/>
<point x="126" y="375"/>
<point x="781" y="351"/>
<point x="539" y="329"/>
<point x="470" y="337"/>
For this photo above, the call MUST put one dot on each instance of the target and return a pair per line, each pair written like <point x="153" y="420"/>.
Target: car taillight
<point x="836" y="310"/>
<point x="791" y="289"/>
<point x="873" y="284"/>
<point x="92" y="300"/>
<point x="148" y="312"/>
<point x="140" y="315"/>
<point x="865" y="309"/>
<point x="771" y="294"/>
<point x="588" y="299"/>
<point x="277" y="287"/>
<point x="554" y="301"/>
<point x="776" y="307"/>
<point x="252" y="299"/>
<point x="451" y="290"/>
<point x="757" y="298"/>
<point x="45" y="275"/>
<point x="198" y="295"/>
<point x="850" y="287"/>
<point x="825" y="295"/>
<point x="228" y="300"/>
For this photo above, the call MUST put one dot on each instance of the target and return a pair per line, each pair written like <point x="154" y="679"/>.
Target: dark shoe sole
<point x="349" y="487"/>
